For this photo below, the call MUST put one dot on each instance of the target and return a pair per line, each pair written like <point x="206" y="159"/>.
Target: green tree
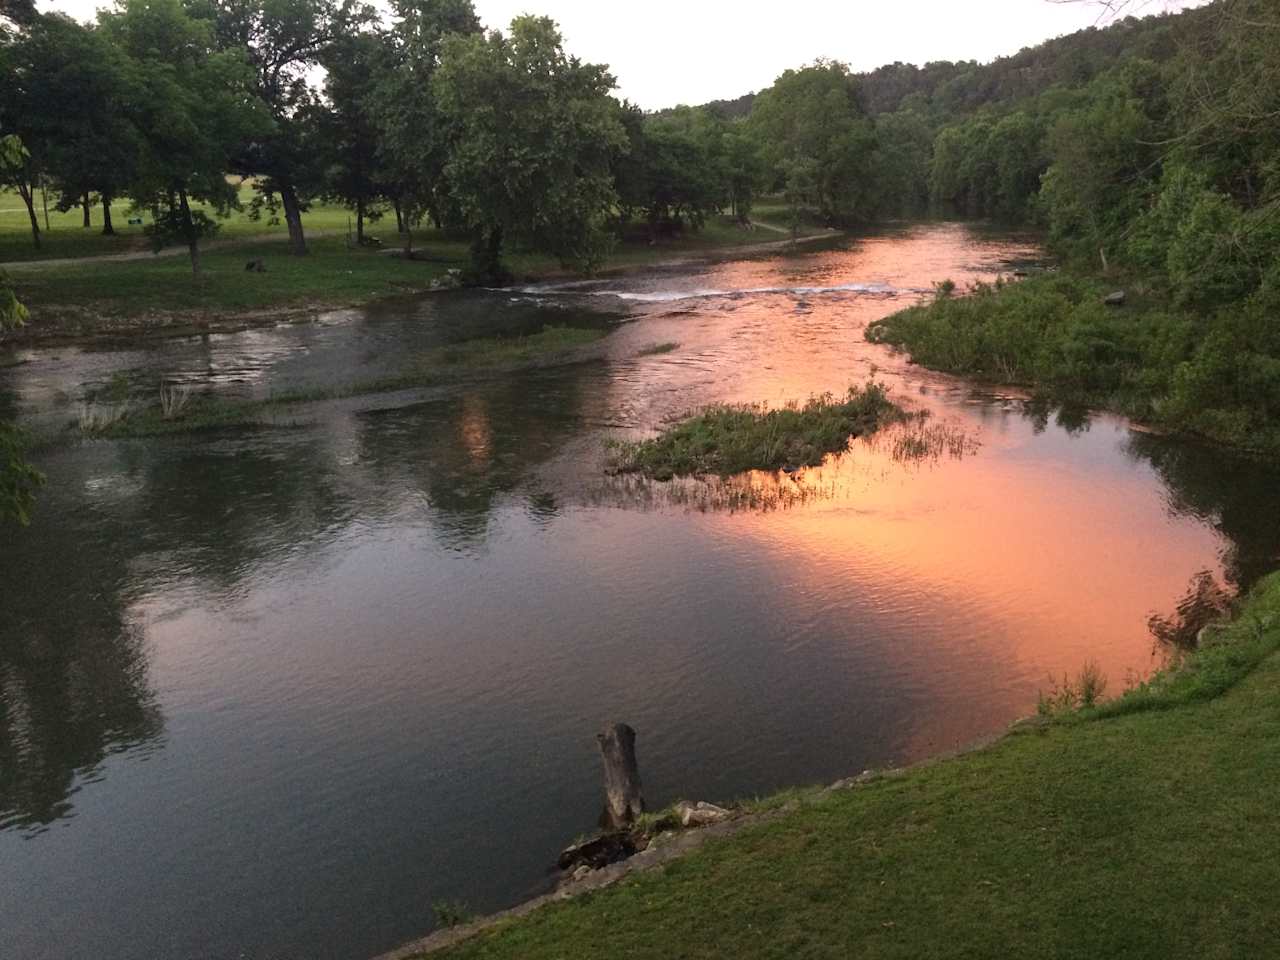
<point x="412" y="149"/>
<point x="74" y="84"/>
<point x="1102" y="160"/>
<point x="530" y="135"/>
<point x="192" y="106"/>
<point x="812" y="118"/>
<point x="283" y="41"/>
<point x="904" y="153"/>
<point x="18" y="479"/>
<point x="349" y="134"/>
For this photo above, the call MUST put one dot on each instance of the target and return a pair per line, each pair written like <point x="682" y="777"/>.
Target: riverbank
<point x="1143" y="827"/>
<point x="1115" y="343"/>
<point x="147" y="295"/>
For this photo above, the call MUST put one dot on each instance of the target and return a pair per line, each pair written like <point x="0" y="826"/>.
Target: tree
<point x="192" y="105"/>
<point x="20" y="171"/>
<point x="349" y="134"/>
<point x="283" y="40"/>
<point x="811" y="119"/>
<point x="18" y="479"/>
<point x="412" y="148"/>
<point x="73" y="83"/>
<point x="904" y="152"/>
<point x="1102" y="155"/>
<point x="530" y="134"/>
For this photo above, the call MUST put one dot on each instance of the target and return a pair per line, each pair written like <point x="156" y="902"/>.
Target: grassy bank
<point x="87" y="297"/>
<point x="177" y="411"/>
<point x="1213" y="371"/>
<point x="1144" y="829"/>
<point x="726" y="439"/>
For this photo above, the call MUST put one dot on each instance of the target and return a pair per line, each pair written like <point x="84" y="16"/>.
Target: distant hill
<point x="955" y="89"/>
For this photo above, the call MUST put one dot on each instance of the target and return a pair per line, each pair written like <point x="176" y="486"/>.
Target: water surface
<point x="272" y="692"/>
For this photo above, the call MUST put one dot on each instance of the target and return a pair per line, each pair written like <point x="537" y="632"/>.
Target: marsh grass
<point x="1082" y="692"/>
<point x="496" y="351"/>
<point x="174" y="398"/>
<point x="655" y="349"/>
<point x="727" y="439"/>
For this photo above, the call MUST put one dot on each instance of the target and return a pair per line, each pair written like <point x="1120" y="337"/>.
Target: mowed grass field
<point x="66" y="236"/>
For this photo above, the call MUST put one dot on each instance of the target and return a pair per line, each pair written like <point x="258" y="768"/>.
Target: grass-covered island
<point x="1144" y="827"/>
<point x="725" y="439"/>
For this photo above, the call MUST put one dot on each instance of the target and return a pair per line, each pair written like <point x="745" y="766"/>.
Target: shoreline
<point x="1234" y="651"/>
<point x="76" y="324"/>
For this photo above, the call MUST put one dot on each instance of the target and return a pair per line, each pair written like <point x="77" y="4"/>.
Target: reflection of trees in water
<point x="73" y="670"/>
<point x="1237" y="496"/>
<point x="1073" y="418"/>
<point x="74" y="687"/>
<point x="466" y="451"/>
<point x="1204" y="602"/>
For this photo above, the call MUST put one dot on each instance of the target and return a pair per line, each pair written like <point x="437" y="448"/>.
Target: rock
<point x="255" y="266"/>
<point x="596" y="852"/>
<point x="581" y="872"/>
<point x="701" y="814"/>
<point x="1114" y="299"/>
<point x="1021" y="273"/>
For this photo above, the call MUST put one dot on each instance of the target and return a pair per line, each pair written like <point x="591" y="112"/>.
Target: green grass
<point x="472" y="358"/>
<point x="1149" y="834"/>
<point x="67" y="237"/>
<point x="656" y="349"/>
<point x="726" y="439"/>
<point x="331" y="275"/>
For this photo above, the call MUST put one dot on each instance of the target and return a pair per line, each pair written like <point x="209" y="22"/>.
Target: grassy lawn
<point x="330" y="275"/>
<point x="67" y="237"/>
<point x="1150" y="829"/>
<point x="726" y="438"/>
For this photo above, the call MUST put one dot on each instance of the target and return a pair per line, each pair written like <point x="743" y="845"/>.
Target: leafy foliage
<point x="530" y="134"/>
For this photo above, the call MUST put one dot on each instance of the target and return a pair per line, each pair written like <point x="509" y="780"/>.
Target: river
<point x="273" y="692"/>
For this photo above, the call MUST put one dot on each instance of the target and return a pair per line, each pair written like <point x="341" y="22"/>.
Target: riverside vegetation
<point x="726" y="439"/>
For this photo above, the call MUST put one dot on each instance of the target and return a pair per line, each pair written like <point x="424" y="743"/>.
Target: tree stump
<point x="623" y="800"/>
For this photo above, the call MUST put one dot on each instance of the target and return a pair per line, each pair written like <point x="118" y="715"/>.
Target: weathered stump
<point x="623" y="799"/>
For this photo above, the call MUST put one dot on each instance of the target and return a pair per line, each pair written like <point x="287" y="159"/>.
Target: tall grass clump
<point x="732" y="438"/>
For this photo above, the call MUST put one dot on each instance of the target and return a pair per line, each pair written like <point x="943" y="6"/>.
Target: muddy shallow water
<point x="273" y="692"/>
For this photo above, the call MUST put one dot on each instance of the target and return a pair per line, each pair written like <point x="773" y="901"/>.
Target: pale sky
<point x="665" y="52"/>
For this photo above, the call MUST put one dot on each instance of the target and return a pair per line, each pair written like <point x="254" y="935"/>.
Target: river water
<point x="273" y="692"/>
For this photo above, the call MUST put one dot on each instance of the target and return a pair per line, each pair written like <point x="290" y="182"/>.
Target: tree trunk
<point x="193" y="238"/>
<point x="107" y="229"/>
<point x="44" y="200"/>
<point x="623" y="800"/>
<point x="360" y="221"/>
<point x="84" y="204"/>
<point x="293" y="217"/>
<point x="395" y="202"/>
<point x="27" y="192"/>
